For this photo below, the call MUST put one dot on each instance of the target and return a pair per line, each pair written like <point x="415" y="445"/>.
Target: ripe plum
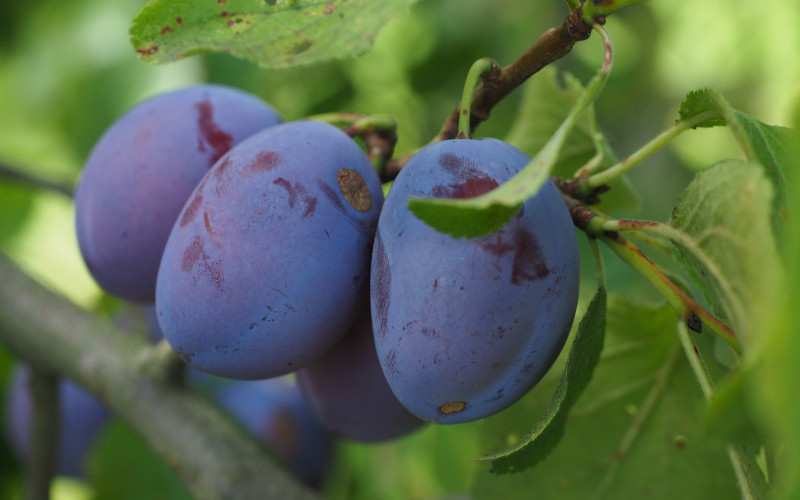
<point x="465" y="327"/>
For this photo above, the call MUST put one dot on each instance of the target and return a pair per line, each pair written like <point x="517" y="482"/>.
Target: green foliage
<point x="726" y="213"/>
<point x="135" y="474"/>
<point x="271" y="33"/>
<point x="635" y="431"/>
<point x="546" y="434"/>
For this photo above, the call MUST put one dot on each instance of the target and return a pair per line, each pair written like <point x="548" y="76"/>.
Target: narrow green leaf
<point x="547" y="432"/>
<point x="468" y="218"/>
<point x="726" y="211"/>
<point x="635" y="432"/>
<point x="271" y="33"/>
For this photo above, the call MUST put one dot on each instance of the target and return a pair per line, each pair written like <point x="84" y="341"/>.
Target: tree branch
<point x="213" y="457"/>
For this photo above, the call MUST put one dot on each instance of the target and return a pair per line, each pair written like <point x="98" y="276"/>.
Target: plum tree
<point x="82" y="419"/>
<point x="348" y="394"/>
<point x="143" y="169"/>
<point x="267" y="265"/>
<point x="464" y="328"/>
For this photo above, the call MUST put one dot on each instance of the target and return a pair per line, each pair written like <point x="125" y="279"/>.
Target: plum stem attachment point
<point x="480" y="69"/>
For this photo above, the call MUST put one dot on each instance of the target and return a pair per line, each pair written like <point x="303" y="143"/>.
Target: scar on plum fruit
<point x="454" y="407"/>
<point x="354" y="189"/>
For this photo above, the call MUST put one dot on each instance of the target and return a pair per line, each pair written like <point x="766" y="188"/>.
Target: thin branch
<point x="44" y="432"/>
<point x="554" y="44"/>
<point x="18" y="175"/>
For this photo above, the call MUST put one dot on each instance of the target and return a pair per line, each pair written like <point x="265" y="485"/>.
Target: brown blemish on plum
<point x="219" y="140"/>
<point x="454" y="407"/>
<point x="383" y="287"/>
<point x="191" y="210"/>
<point x="354" y="189"/>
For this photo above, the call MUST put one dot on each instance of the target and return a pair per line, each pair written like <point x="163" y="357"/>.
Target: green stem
<point x="597" y="10"/>
<point x="599" y="268"/>
<point x="43" y="434"/>
<point x="573" y="5"/>
<point x="684" y="305"/>
<point x="735" y="453"/>
<point x="668" y="232"/>
<point x="478" y="69"/>
<point x="343" y="119"/>
<point x="590" y="183"/>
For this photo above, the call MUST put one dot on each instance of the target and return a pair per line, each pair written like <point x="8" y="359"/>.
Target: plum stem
<point x="42" y="458"/>
<point x="483" y="68"/>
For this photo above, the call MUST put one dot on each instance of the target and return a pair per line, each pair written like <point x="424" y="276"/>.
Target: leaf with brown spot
<point x="273" y="34"/>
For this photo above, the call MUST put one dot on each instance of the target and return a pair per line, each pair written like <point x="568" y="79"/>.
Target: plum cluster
<point x="268" y="250"/>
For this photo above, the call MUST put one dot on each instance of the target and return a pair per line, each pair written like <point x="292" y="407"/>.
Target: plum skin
<point x="82" y="419"/>
<point x="465" y="327"/>
<point x="142" y="170"/>
<point x="348" y="394"/>
<point x="267" y="265"/>
<point x="274" y="412"/>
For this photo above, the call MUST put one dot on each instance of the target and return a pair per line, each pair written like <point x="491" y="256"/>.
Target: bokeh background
<point x="67" y="71"/>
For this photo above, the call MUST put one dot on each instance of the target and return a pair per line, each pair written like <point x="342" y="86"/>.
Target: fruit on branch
<point x="465" y="327"/>
<point x="82" y="419"/>
<point x="274" y="412"/>
<point x="142" y="170"/>
<point x="267" y="265"/>
<point x="348" y="394"/>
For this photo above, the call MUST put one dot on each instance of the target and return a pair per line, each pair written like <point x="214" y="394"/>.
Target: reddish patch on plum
<point x="207" y="223"/>
<point x="219" y="140"/>
<point x="311" y="207"/>
<point x="473" y="184"/>
<point x="191" y="255"/>
<point x="390" y="363"/>
<point x="263" y="162"/>
<point x="191" y="210"/>
<point x="528" y="262"/>
<point x="451" y="162"/>
<point x="383" y="287"/>
<point x="280" y="181"/>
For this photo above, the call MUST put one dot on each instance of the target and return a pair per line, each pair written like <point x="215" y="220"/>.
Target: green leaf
<point x="726" y="212"/>
<point x="271" y="33"/>
<point x="700" y="101"/>
<point x="474" y="217"/>
<point x="766" y="144"/>
<point x="545" y="435"/>
<point x="634" y="433"/>
<point x="545" y="104"/>
<point x="123" y="467"/>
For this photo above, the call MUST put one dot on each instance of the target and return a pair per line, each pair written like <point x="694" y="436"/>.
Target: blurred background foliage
<point x="67" y="71"/>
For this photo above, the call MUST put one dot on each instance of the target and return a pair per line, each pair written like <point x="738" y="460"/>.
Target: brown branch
<point x="554" y="44"/>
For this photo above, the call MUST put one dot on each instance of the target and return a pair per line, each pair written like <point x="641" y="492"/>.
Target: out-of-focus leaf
<point x="271" y="33"/>
<point x="726" y="211"/>
<point x="635" y="432"/>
